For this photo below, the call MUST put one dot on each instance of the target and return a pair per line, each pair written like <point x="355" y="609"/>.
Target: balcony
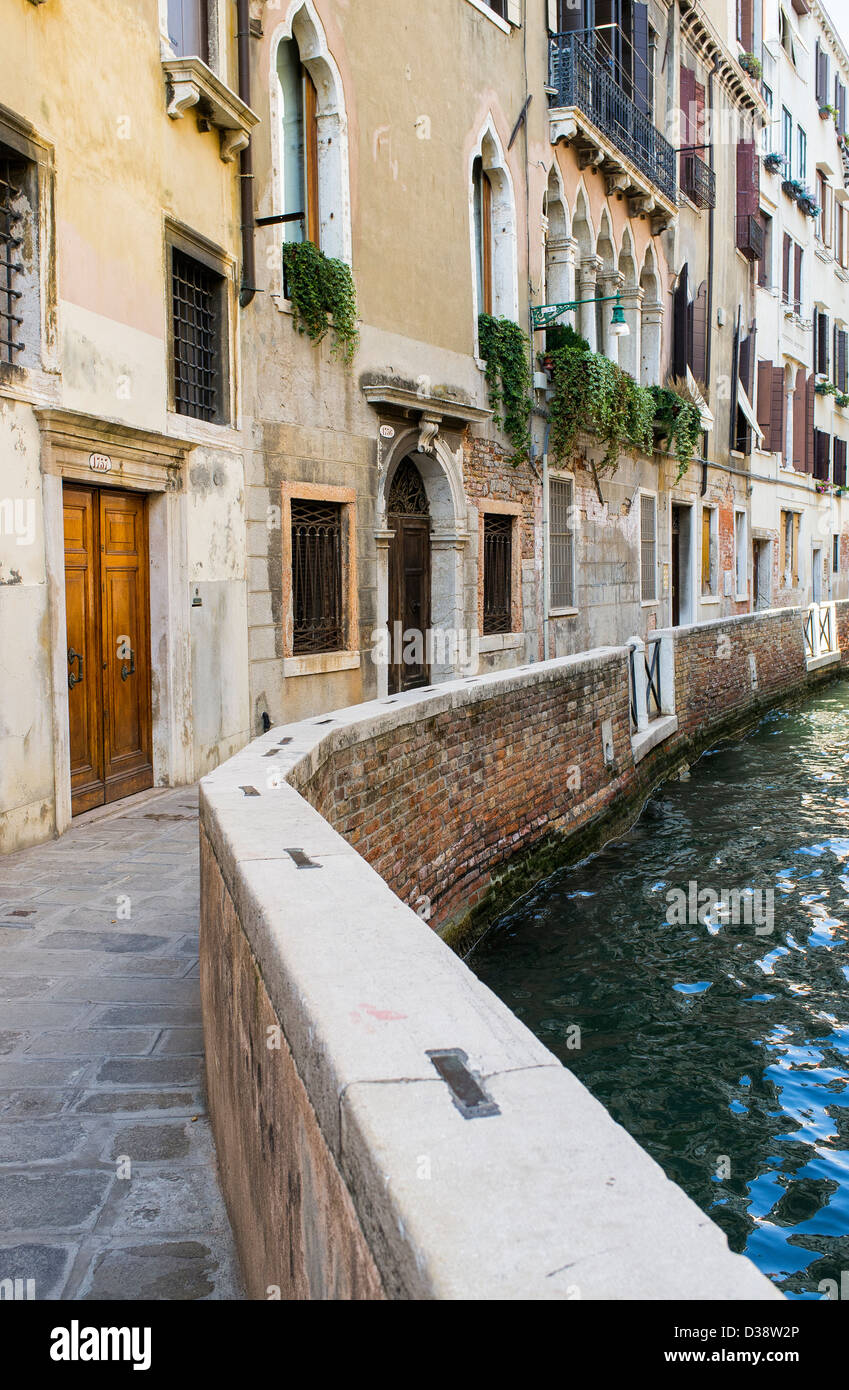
<point x="698" y="180"/>
<point x="591" y="111"/>
<point x="750" y="237"/>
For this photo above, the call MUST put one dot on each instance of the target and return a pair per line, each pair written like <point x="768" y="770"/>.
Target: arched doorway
<point x="408" y="516"/>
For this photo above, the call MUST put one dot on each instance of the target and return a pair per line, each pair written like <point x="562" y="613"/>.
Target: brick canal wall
<point x="350" y="1166"/>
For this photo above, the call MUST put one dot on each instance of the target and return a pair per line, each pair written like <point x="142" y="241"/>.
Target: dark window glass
<point x="497" y="570"/>
<point x="196" y="317"/>
<point x="12" y="173"/>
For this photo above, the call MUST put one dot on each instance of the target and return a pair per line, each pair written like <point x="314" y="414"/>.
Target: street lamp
<point x="544" y="315"/>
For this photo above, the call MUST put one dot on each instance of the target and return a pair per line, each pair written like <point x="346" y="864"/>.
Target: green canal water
<point x="720" y="1041"/>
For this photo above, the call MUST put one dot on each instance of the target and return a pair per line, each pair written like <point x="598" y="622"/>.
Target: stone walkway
<point x="108" y="1186"/>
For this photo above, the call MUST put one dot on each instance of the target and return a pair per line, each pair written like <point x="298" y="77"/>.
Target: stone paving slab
<point x="108" y="1180"/>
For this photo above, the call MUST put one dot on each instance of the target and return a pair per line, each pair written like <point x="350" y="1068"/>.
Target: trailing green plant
<point x="677" y="421"/>
<point x="564" y="335"/>
<point x="506" y="350"/>
<point x="590" y="393"/>
<point x="842" y="399"/>
<point x="825" y="388"/>
<point x="751" y="64"/>
<point x="323" y="296"/>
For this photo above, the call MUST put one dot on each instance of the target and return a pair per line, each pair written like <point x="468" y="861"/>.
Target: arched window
<point x="492" y="214"/>
<point x="298" y="145"/>
<point x="482" y="194"/>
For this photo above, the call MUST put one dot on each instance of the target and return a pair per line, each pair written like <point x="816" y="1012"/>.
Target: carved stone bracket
<point x="190" y="84"/>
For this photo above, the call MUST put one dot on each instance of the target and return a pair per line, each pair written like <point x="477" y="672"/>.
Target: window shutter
<point x="748" y="178"/>
<point x="842" y="340"/>
<point x="569" y="16"/>
<point x="797" y="282"/>
<point x="797" y="518"/>
<point x="822" y="342"/>
<point x="764" y="404"/>
<point x="552" y="17"/>
<point x="818" y="74"/>
<point x="799" y="400"/>
<point x="785" y="269"/>
<point x="705" y="550"/>
<point x="514" y="12"/>
<point x="809" y="423"/>
<point x="688" y="102"/>
<point x="641" y="58"/>
<point x="679" y="325"/>
<point x="747" y="28"/>
<point x="699" y="353"/>
<point x="778" y="410"/>
<point x="840" y="462"/>
<point x="782" y="548"/>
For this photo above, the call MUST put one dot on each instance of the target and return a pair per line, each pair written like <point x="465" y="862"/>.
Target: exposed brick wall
<point x="436" y="804"/>
<point x="488" y="472"/>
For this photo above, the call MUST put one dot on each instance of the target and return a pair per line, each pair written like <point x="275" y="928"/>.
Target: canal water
<point x="716" y="1032"/>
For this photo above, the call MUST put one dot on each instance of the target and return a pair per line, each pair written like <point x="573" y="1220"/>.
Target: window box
<point x="190" y="83"/>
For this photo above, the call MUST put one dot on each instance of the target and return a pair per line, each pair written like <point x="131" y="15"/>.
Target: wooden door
<point x="106" y="582"/>
<point x="409" y="601"/>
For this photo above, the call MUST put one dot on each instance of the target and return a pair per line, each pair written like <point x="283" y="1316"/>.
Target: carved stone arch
<point x="632" y="296"/>
<point x="559" y="246"/>
<point x="586" y="267"/>
<point x="651" y="321"/>
<point x="303" y="24"/>
<point x="505" y="270"/>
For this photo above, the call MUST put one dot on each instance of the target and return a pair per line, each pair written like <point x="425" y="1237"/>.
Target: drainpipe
<point x="717" y="63"/>
<point x="246" y="167"/>
<point x="545" y="559"/>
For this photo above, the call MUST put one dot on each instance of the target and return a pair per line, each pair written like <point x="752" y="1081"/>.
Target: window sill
<point x="564" y="612"/>
<point x="484" y="9"/>
<point x="501" y="641"/>
<point x="649" y="602"/>
<point x="202" y="431"/>
<point x="711" y="598"/>
<point x="320" y="663"/>
<point x="191" y="83"/>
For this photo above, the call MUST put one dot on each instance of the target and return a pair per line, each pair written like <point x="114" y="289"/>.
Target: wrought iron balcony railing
<point x="750" y="237"/>
<point x="698" y="180"/>
<point x="583" y="80"/>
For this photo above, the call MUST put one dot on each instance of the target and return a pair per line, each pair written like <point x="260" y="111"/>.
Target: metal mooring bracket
<point x="302" y="860"/>
<point x="466" y="1090"/>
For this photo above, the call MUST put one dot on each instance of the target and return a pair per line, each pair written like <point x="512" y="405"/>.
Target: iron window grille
<point x="698" y="180"/>
<point x="316" y="577"/>
<point x="648" y="549"/>
<point x="196" y="320"/>
<point x="561" y="545"/>
<point x="12" y="173"/>
<point x="497" y="573"/>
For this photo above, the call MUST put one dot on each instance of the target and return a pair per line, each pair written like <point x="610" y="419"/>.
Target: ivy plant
<point x="590" y="393"/>
<point x="678" y="421"/>
<point x="508" y="378"/>
<point x="323" y="297"/>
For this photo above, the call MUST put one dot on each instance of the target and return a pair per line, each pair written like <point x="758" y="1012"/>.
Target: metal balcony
<point x="750" y="237"/>
<point x="698" y="180"/>
<point x="583" y="81"/>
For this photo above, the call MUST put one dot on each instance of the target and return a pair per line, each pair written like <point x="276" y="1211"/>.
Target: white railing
<point x="821" y="631"/>
<point x="651" y="669"/>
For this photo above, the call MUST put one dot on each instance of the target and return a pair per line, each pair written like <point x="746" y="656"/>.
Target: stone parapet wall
<point x="350" y="1168"/>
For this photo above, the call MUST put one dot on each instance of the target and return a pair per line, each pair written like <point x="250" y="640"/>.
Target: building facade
<point x="212" y="521"/>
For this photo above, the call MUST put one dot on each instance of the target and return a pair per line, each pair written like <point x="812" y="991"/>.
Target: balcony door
<point x="108" y="645"/>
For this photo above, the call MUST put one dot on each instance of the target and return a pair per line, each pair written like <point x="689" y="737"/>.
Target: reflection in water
<point x="724" y="1049"/>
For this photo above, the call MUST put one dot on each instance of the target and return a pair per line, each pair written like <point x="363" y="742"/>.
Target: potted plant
<point x="752" y="65"/>
<point x="826" y="111"/>
<point x="773" y="162"/>
<point x="825" y="388"/>
<point x="841" y="398"/>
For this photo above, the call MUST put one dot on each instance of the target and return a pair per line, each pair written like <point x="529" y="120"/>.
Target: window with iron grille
<point x="197" y="327"/>
<point x="835" y="554"/>
<point x="12" y="177"/>
<point x="497" y="573"/>
<point x="648" y="547"/>
<point x="317" y="577"/>
<point x="561" y="548"/>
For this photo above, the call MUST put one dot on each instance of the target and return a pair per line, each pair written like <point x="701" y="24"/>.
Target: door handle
<point x="72" y="657"/>
<point x="128" y="670"/>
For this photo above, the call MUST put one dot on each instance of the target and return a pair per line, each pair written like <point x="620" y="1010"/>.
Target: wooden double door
<point x="108" y="644"/>
<point x="409" y="602"/>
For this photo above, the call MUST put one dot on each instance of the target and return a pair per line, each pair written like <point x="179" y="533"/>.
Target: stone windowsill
<point x="564" y="612"/>
<point x="659" y="729"/>
<point x="320" y="663"/>
<point x="190" y="83"/>
<point x="813" y="663"/>
<point x="501" y="641"/>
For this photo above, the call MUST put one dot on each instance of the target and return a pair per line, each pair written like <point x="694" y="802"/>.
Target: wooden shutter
<point x="799" y="399"/>
<point x="797" y="518"/>
<point x="680" y="324"/>
<point x="785" y="269"/>
<point x="822" y="450"/>
<point x="698" y="361"/>
<point x="764" y="403"/>
<point x="746" y="33"/>
<point x="552" y="17"/>
<point x="778" y="410"/>
<point x="311" y="230"/>
<point x="748" y="178"/>
<point x="688" y="101"/>
<point x="839" y="470"/>
<point x="641" y="58"/>
<point x="705" y="550"/>
<point x="797" y="282"/>
<point x="782" y="547"/>
<point x="809" y="423"/>
<point x="842" y="339"/>
<point x="821" y="364"/>
<point x="514" y="12"/>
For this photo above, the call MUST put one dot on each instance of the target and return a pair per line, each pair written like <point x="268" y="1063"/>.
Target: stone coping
<point x="547" y="1199"/>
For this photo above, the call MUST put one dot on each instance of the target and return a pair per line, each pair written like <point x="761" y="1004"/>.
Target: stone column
<point x="586" y="289"/>
<point x="453" y="647"/>
<point x="609" y="284"/>
<point x="560" y="269"/>
<point x="629" y="348"/>
<point x="650" y="338"/>
<point x="383" y="540"/>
